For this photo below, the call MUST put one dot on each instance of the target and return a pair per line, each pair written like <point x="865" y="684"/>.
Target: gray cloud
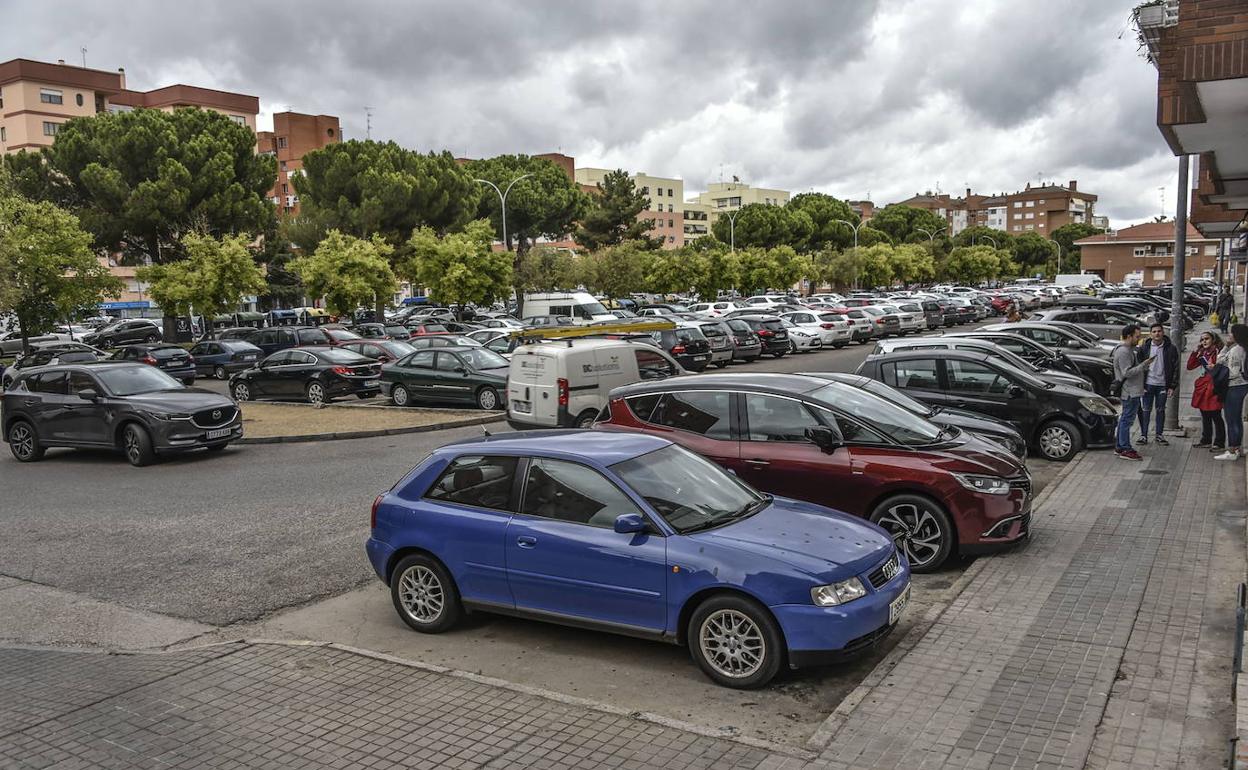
<point x="890" y="97"/>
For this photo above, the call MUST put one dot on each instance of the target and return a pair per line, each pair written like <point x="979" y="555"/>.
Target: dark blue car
<point x="221" y="358"/>
<point x="635" y="535"/>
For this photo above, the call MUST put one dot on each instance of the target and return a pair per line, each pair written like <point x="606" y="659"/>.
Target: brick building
<point x="666" y="207"/>
<point x="293" y="136"/>
<point x="1042" y="209"/>
<point x="1145" y="254"/>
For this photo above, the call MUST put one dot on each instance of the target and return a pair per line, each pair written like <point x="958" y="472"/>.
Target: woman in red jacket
<point x="1212" y="427"/>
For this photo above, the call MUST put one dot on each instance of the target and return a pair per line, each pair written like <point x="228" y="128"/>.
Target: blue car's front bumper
<point x="819" y="636"/>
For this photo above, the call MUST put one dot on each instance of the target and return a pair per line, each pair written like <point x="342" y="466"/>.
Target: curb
<point x="826" y="731"/>
<point x="369" y="433"/>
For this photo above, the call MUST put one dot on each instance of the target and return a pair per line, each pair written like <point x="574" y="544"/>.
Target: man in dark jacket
<point x="1225" y="307"/>
<point x="1160" y="382"/>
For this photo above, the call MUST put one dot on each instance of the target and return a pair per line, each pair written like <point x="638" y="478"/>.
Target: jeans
<point x="1130" y="406"/>
<point x="1212" y="427"/>
<point x="1153" y="395"/>
<point x="1233" y="408"/>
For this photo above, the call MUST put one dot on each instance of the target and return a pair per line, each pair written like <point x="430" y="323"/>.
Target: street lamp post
<point x="986" y="238"/>
<point x="853" y="227"/>
<point x="732" y="229"/>
<point x="931" y="234"/>
<point x="502" y="200"/>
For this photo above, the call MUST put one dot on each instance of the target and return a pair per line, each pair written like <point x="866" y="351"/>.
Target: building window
<point x="285" y="188"/>
<point x="2" y="134"/>
<point x="1040" y="225"/>
<point x="671" y="223"/>
<point x="658" y="191"/>
<point x="1210" y="251"/>
<point x="329" y="132"/>
<point x="239" y="119"/>
<point x="1030" y="215"/>
<point x="78" y="99"/>
<point x="281" y="142"/>
<point x="645" y="191"/>
<point x="1018" y="204"/>
<point x="670" y="208"/>
<point x="49" y="96"/>
<point x="1" y="99"/>
<point x="1018" y="227"/>
<point x="50" y="128"/>
<point x="1041" y="201"/>
<point x="283" y="165"/>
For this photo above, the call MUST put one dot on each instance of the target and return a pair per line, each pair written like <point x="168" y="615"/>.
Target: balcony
<point x="1150" y="19"/>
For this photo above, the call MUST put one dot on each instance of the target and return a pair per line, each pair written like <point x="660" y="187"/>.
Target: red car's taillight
<point x="678" y="350"/>
<point x="764" y="333"/>
<point x="563" y="391"/>
<point x="149" y="360"/>
<point x="372" y="516"/>
<point x="343" y="370"/>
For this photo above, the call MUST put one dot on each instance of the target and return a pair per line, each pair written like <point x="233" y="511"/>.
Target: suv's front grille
<point x="214" y="418"/>
<point x="880" y="576"/>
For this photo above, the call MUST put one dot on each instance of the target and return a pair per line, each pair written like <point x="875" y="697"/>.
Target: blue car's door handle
<point x="526" y="542"/>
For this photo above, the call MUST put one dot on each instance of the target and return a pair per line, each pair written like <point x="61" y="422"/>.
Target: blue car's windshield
<point x="690" y="493"/>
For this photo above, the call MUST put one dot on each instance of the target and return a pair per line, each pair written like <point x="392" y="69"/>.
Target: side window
<point x="972" y="377"/>
<point x="643" y="406"/>
<point x="421" y="360"/>
<point x="854" y="432"/>
<point x="279" y="359"/>
<point x="53" y="383"/>
<point x="80" y="381"/>
<point x="199" y="350"/>
<point x="499" y="345"/>
<point x="448" y="362"/>
<point x="301" y="357"/>
<point x="919" y="373"/>
<point x="560" y="310"/>
<point x="653" y="366"/>
<point x="777" y="419"/>
<point x="479" y="481"/>
<point x="705" y="413"/>
<point x="311" y="337"/>
<point x="566" y="491"/>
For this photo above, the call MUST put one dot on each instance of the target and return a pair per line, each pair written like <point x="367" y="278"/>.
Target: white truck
<point x="1071" y="280"/>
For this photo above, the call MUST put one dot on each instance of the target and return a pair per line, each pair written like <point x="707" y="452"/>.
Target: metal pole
<point x="1176" y="292"/>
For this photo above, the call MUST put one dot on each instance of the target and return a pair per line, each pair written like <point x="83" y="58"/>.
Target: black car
<point x="770" y="330"/>
<point x="1095" y="369"/>
<point x="1056" y="336"/>
<point x="221" y="358"/>
<point x="688" y="346"/>
<point x="135" y="408"/>
<point x="382" y="351"/>
<point x="997" y="431"/>
<point x="230" y="333"/>
<point x="746" y="345"/>
<point x="276" y="338"/>
<point x="49" y="353"/>
<point x="376" y="331"/>
<point x="1056" y="420"/>
<point x="170" y="359"/>
<point x="125" y="333"/>
<point x="314" y="374"/>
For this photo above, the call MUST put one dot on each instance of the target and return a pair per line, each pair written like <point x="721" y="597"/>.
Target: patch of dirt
<point x="262" y="420"/>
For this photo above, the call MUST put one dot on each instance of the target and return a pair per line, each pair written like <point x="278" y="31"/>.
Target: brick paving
<point x="1104" y="642"/>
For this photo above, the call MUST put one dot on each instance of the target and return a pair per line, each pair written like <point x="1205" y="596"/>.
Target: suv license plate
<point x="898" y="606"/>
<point x="522" y="407"/>
<point x="218" y="433"/>
<point x="699" y="358"/>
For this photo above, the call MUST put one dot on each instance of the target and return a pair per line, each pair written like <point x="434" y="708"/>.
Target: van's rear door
<point x="532" y="386"/>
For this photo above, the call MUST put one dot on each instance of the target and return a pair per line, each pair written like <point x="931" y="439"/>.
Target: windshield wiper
<point x="749" y="509"/>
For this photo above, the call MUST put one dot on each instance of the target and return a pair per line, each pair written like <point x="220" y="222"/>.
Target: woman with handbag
<point x="1236" y="390"/>
<point x="1204" y="395"/>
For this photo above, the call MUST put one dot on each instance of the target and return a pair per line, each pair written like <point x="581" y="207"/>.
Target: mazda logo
<point x="216" y="414"/>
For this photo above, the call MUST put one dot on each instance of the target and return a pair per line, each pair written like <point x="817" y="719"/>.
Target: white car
<point x="764" y="301"/>
<point x="910" y="322"/>
<point x="502" y="322"/>
<point x="802" y="340"/>
<point x="716" y="309"/>
<point x="831" y="329"/>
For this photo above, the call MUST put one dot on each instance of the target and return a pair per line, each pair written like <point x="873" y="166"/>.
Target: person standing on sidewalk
<point x="1161" y="381"/>
<point x="1129" y="371"/>
<point x="1237" y="389"/>
<point x="1204" y="396"/>
<point x="1225" y="307"/>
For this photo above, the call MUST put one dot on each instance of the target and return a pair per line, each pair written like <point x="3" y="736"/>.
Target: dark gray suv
<point x="131" y="407"/>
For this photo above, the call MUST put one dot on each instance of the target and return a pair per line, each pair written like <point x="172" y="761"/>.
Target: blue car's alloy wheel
<point x="732" y="644"/>
<point x="424" y="594"/>
<point x="735" y="641"/>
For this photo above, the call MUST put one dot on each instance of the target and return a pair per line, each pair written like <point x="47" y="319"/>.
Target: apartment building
<point x="1200" y="49"/>
<point x="37" y="98"/>
<point x="864" y="209"/>
<point x="666" y="202"/>
<point x="1042" y="209"/>
<point x="1145" y="254"/>
<point x="294" y="135"/>
<point x="703" y="209"/>
<point x="960" y="213"/>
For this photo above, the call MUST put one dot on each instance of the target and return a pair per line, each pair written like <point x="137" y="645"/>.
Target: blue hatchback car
<point x="635" y="535"/>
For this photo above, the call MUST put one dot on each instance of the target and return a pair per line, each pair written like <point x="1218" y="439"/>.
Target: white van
<point x="564" y="383"/>
<point x="580" y="306"/>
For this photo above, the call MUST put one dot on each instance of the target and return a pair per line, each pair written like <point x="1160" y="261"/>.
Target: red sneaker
<point x="1128" y="454"/>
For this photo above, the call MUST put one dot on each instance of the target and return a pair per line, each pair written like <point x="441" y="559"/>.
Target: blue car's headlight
<point x="838" y="593"/>
<point x="989" y="485"/>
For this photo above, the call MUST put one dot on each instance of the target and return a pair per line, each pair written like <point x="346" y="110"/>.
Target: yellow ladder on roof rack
<point x="592" y="330"/>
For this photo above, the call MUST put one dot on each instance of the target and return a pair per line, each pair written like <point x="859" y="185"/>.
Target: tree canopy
<point x="459" y="268"/>
<point x="765" y="226"/>
<point x="1032" y="251"/>
<point x="612" y="215"/>
<point x="348" y="272"/>
<point x="138" y="181"/>
<point x="906" y="224"/>
<point x="1066" y="235"/>
<point x="615" y="271"/>
<point x="544" y="268"/>
<point x="972" y="264"/>
<point x="827" y="216"/>
<point x="211" y="280"/>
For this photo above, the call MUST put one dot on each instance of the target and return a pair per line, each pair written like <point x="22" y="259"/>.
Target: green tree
<point x="766" y="226"/>
<point x="612" y="215"/>
<point x="869" y="236"/>
<point x="979" y="235"/>
<point x="616" y="270"/>
<point x="48" y="273"/>
<point x="347" y="271"/>
<point x="211" y="280"/>
<point x="827" y="215"/>
<point x="545" y="203"/>
<point x="907" y="224"/>
<point x="722" y="271"/>
<point x="674" y="271"/>
<point x="1066" y="235"/>
<point x="1032" y="251"/>
<point x="874" y="264"/>
<point x="544" y="268"/>
<point x="459" y="268"/>
<point x="138" y="181"/>
<point x="913" y="263"/>
<point x="972" y="264"/>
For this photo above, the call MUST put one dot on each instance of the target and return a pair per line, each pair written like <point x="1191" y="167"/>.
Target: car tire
<point x="1059" y="441"/>
<point x="241" y="391"/>
<point x="839" y="345"/>
<point x="107" y="342"/>
<point x="400" y="396"/>
<point x="424" y="594"/>
<point x="864" y="341"/>
<point x="188" y="382"/>
<point x="919" y="527"/>
<point x="751" y="359"/>
<point x="136" y="444"/>
<point x="487" y="399"/>
<point x="152" y="338"/>
<point x="724" y="627"/>
<point x="722" y="364"/>
<point x="220" y="373"/>
<point x="315" y="393"/>
<point x="586" y="418"/>
<point x="780" y="354"/>
<point x="24" y="442"/>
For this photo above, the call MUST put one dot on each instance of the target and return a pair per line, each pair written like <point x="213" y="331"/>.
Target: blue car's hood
<point x="816" y="540"/>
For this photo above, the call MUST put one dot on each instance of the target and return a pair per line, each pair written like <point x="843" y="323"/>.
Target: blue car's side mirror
<point x="630" y="523"/>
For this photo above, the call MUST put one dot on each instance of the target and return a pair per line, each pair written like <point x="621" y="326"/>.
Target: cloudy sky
<point x="850" y="97"/>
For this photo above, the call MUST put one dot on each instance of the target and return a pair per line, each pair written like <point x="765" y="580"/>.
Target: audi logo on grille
<point x="216" y="414"/>
<point x="891" y="568"/>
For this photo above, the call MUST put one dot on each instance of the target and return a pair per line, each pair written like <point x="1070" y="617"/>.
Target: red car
<point x="419" y="330"/>
<point x="937" y="491"/>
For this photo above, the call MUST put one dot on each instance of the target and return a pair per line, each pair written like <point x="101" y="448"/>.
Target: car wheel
<point x="188" y="382"/>
<point x="586" y="418"/>
<point x="864" y="340"/>
<point x="316" y="393"/>
<point x="722" y="364"/>
<point x="487" y="399"/>
<point x="735" y="642"/>
<point x="1059" y="441"/>
<point x="242" y="391"/>
<point x="137" y="445"/>
<point x="107" y="342"/>
<point x="219" y="373"/>
<point x="792" y="346"/>
<point x="839" y="345"/>
<point x="919" y="527"/>
<point x="751" y="359"/>
<point x="152" y="338"/>
<point x="400" y="396"/>
<point x="424" y="594"/>
<point x="24" y="442"/>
